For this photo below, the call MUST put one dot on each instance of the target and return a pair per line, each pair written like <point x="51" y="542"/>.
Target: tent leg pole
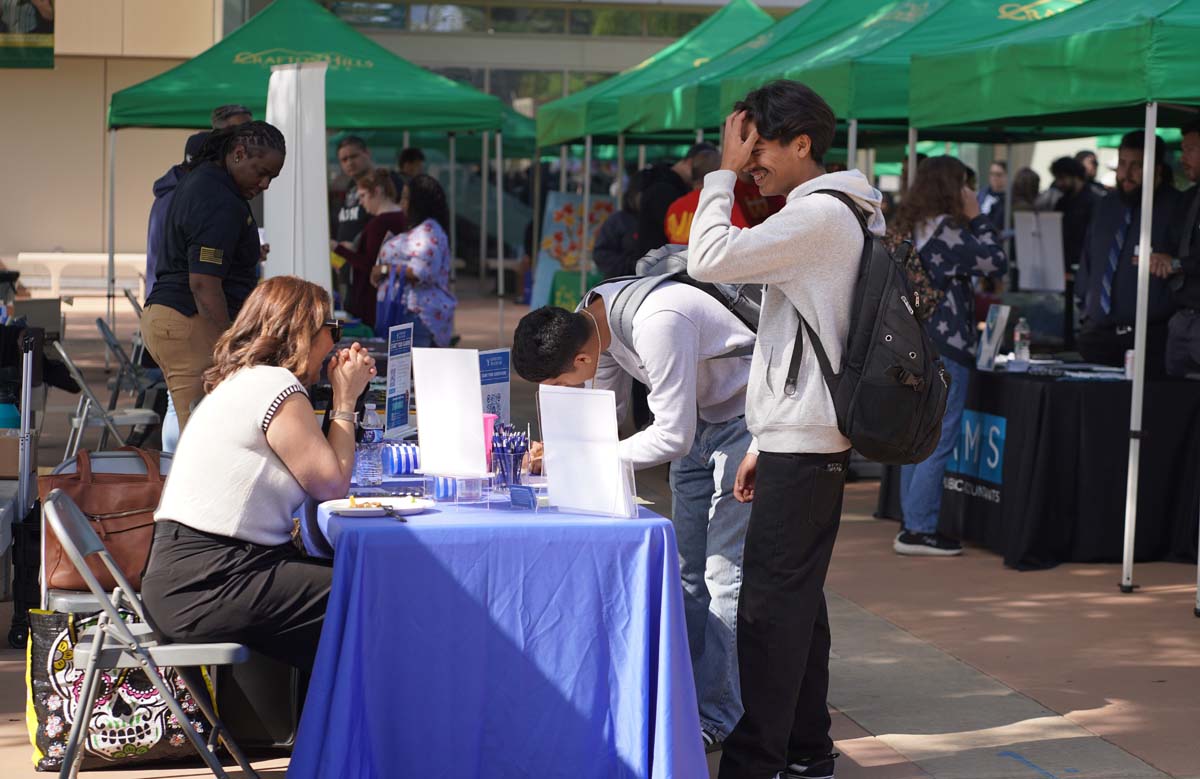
<point x="852" y="145"/>
<point x="912" y="156"/>
<point x="405" y="139"/>
<point x="699" y="135"/>
<point x="453" y="203"/>
<point x="562" y="168"/>
<point x="483" y="209"/>
<point x="584" y="217"/>
<point x="500" y="233"/>
<point x="641" y="156"/>
<point x="1008" y="200"/>
<point x="111" y="305"/>
<point x="1139" y="349"/>
<point x="620" y="168"/>
<point x="537" y="211"/>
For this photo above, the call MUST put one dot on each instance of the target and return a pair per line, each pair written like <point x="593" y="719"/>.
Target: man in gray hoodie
<point x="808" y="256"/>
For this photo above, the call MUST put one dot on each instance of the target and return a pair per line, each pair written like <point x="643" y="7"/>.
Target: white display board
<point x="399" y="381"/>
<point x="586" y="474"/>
<point x="296" y="205"/>
<point x="1039" y="243"/>
<point x="449" y="412"/>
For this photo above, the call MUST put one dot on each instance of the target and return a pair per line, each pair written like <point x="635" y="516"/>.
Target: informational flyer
<point x="495" y="382"/>
<point x="399" y="386"/>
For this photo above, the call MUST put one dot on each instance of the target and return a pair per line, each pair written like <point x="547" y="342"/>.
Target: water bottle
<point x="1021" y="337"/>
<point x="368" y="456"/>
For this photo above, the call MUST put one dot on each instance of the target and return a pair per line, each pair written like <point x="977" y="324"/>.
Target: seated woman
<point x="377" y="194"/>
<point x="424" y="255"/>
<point x="222" y="567"/>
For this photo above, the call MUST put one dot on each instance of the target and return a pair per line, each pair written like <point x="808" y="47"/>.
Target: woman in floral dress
<point x="422" y="260"/>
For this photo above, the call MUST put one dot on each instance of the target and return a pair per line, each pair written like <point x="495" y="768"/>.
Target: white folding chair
<point x="91" y="412"/>
<point x="115" y="644"/>
<point x="126" y="462"/>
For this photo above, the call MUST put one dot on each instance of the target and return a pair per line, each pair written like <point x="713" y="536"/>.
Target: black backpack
<point x="891" y="394"/>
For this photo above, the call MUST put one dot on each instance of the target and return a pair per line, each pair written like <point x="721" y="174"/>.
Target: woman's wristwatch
<point x="346" y="416"/>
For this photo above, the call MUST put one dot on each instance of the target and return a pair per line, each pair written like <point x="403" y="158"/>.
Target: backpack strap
<point x="630" y="298"/>
<point x="831" y="378"/>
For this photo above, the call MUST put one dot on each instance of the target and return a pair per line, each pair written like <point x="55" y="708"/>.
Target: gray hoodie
<point x="808" y="256"/>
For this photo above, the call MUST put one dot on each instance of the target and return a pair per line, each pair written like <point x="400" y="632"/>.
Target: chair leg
<point x="155" y="676"/>
<point x="81" y="411"/>
<point x="199" y="694"/>
<point x="73" y="755"/>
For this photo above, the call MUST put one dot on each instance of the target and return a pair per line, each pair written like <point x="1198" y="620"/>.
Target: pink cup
<point x="489" y="427"/>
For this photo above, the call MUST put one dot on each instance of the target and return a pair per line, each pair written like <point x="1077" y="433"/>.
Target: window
<point x="529" y="20"/>
<point x="364" y="14"/>
<point x="671" y="24"/>
<point x="447" y="18"/>
<point x="605" y="21"/>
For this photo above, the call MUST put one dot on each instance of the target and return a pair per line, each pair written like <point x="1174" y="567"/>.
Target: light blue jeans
<point x="710" y="528"/>
<point x="921" y="484"/>
<point x="170" y="427"/>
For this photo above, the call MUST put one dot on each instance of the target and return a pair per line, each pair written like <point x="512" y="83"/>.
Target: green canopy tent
<point x="367" y="86"/>
<point x="1108" y="62"/>
<point x="692" y="99"/>
<point x="863" y="71"/>
<point x="593" y="111"/>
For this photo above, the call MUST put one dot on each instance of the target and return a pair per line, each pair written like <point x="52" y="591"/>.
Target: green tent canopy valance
<point x="863" y="71"/>
<point x="1097" y="64"/>
<point x="593" y="111"/>
<point x="367" y="86"/>
<point x="692" y="99"/>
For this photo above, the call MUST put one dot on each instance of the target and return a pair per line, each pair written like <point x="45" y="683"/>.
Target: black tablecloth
<point x="1041" y="479"/>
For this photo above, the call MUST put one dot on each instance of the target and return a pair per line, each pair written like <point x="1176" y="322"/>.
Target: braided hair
<point x="256" y="135"/>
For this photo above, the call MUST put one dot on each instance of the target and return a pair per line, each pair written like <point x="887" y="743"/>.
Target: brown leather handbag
<point x="120" y="508"/>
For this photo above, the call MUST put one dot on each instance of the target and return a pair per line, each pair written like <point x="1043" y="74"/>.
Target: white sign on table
<point x="399" y="381"/>
<point x="579" y="428"/>
<point x="1039" y="243"/>
<point x="451" y="411"/>
<point x="495" y="382"/>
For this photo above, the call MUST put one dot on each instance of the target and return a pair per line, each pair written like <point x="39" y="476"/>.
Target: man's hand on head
<point x="737" y="150"/>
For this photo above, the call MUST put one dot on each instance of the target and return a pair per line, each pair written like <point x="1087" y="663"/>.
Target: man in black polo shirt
<point x="209" y="263"/>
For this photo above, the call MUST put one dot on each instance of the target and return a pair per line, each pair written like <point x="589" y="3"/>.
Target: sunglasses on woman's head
<point x="335" y="328"/>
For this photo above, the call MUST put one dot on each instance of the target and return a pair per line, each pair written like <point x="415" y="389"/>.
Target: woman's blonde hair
<point x="276" y="327"/>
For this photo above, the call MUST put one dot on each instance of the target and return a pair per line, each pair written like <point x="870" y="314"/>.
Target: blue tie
<point x="1114" y="256"/>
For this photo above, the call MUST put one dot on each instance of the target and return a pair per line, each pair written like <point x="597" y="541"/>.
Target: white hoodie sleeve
<point x="667" y="343"/>
<point x="770" y="253"/>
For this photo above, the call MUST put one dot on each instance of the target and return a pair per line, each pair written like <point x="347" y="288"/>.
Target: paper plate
<point x="401" y="506"/>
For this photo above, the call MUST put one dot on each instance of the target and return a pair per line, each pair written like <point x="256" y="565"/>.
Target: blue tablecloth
<point x="496" y="643"/>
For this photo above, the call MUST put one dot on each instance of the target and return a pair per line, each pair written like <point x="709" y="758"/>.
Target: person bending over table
<point x="222" y="566"/>
<point x="693" y="354"/>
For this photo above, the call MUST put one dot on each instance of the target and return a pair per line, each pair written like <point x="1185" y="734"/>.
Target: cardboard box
<point x="10" y="452"/>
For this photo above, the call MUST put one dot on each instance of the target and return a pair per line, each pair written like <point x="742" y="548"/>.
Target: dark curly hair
<point x="937" y="190"/>
<point x="546" y="342"/>
<point x="784" y="110"/>
<point x="427" y="200"/>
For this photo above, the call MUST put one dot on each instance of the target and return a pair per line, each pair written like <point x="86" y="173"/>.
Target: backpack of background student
<point x="890" y="396"/>
<point x="669" y="263"/>
<point x="926" y="296"/>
